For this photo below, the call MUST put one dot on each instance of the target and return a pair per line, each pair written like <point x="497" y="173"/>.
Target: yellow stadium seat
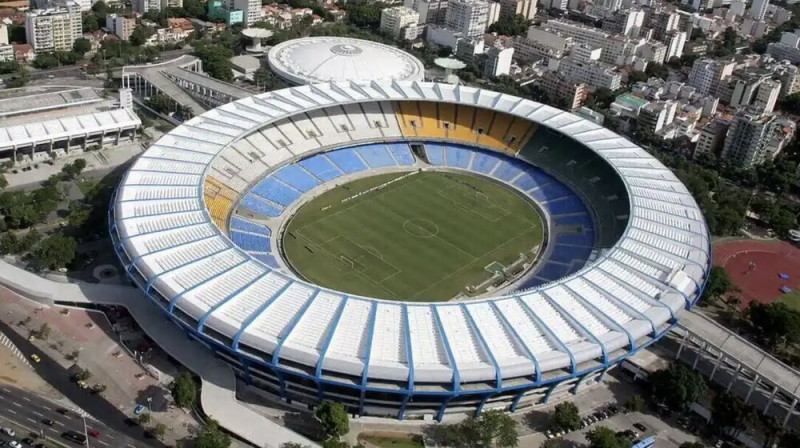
<point x="499" y="129"/>
<point x="519" y="133"/>
<point x="219" y="200"/>
<point x="465" y="115"/>
<point x="409" y="118"/>
<point x="482" y="125"/>
<point x="447" y="118"/>
<point x="430" y="121"/>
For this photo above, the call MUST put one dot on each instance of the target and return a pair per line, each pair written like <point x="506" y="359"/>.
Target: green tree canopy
<point x="333" y="418"/>
<point x="656" y="70"/>
<point x="81" y="46"/>
<point x="139" y="35"/>
<point x="677" y="386"/>
<point x="565" y="417"/>
<point x="604" y="437"/>
<point x="9" y="243"/>
<point x="184" y="390"/>
<point x="637" y="76"/>
<point x="491" y="429"/>
<point x="90" y="23"/>
<point x="212" y="436"/>
<point x="511" y="26"/>
<point x="634" y="403"/>
<point x="719" y="283"/>
<point x="775" y="323"/>
<point x="730" y="414"/>
<point x="364" y="14"/>
<point x="56" y="251"/>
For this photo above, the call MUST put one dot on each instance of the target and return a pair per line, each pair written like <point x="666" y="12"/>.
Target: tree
<point x="496" y="428"/>
<point x="791" y="103"/>
<point x="677" y="386"/>
<point x="56" y="251"/>
<point x="144" y="418"/>
<point x="603" y="437"/>
<point x="264" y="78"/>
<point x="158" y="430"/>
<point x="565" y="417"/>
<point x="29" y="241"/>
<point x="46" y="60"/>
<point x="7" y="67"/>
<point x="90" y="23"/>
<point x="333" y="418"/>
<point x="73" y="169"/>
<point x="100" y="8"/>
<point x="216" y="61"/>
<point x="719" y="283"/>
<point x="730" y="414"/>
<point x="139" y="35"/>
<point x="212" y="437"/>
<point x="510" y="26"/>
<point x="9" y="243"/>
<point x="692" y="445"/>
<point x="656" y="70"/>
<point x="637" y="76"/>
<point x="43" y="332"/>
<point x="776" y="324"/>
<point x="184" y="390"/>
<point x="554" y="443"/>
<point x="81" y="46"/>
<point x="364" y="14"/>
<point x="771" y="428"/>
<point x="634" y="403"/>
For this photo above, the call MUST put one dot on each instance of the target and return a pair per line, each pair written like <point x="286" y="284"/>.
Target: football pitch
<point x="423" y="237"/>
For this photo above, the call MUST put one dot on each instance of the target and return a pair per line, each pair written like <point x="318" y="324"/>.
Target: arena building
<point x="311" y="60"/>
<point x="198" y="222"/>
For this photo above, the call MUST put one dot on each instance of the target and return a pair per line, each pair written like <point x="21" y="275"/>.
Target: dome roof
<point x="324" y="59"/>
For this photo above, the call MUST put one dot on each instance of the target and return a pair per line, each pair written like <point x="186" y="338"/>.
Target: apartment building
<point x="251" y="11"/>
<point x="468" y="17"/>
<point x="430" y="11"/>
<point x="400" y="22"/>
<point x="55" y="28"/>
<point x="591" y="72"/>
<point x="706" y="75"/>
<point x="498" y="62"/>
<point x="512" y="8"/>
<point x="560" y="89"/>
<point x="747" y="138"/>
<point x="541" y="44"/>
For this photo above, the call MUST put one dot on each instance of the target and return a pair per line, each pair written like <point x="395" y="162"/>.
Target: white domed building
<point x="329" y="59"/>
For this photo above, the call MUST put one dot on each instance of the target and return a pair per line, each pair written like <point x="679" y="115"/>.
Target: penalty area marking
<point x="420" y="228"/>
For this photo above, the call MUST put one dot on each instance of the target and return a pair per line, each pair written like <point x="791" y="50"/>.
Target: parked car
<point x="14" y="444"/>
<point x="8" y="431"/>
<point x="640" y="426"/>
<point x="48" y="422"/>
<point x="36" y="358"/>
<point x="94" y="433"/>
<point x="27" y="441"/>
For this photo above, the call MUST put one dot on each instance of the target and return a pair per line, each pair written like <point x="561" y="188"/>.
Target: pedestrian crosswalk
<point x="7" y="342"/>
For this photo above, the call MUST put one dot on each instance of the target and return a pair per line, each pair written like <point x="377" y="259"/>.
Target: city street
<point x="28" y="410"/>
<point x="58" y="377"/>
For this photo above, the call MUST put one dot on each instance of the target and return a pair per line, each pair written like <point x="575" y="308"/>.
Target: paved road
<point x="28" y="410"/>
<point x="75" y="70"/>
<point x="95" y="405"/>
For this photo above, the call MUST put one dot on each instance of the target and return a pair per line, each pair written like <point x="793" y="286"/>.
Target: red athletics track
<point x="771" y="259"/>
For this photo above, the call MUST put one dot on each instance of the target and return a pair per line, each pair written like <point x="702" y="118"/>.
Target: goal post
<point x="347" y="261"/>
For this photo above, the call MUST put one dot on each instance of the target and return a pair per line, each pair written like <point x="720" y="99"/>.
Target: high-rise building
<point x="628" y="23"/>
<point x="593" y="73"/>
<point x="767" y="96"/>
<point x="498" y="62"/>
<point x="788" y="48"/>
<point x="759" y="9"/>
<point x="54" y="29"/>
<point x="789" y="76"/>
<point x="524" y="8"/>
<point x="251" y="10"/>
<point x="541" y="44"/>
<point x="123" y="26"/>
<point x="676" y="41"/>
<point x="746" y="142"/>
<point x="492" y="13"/>
<point x="430" y="11"/>
<point x="561" y="90"/>
<point x="655" y="115"/>
<point x="653" y="51"/>
<point x="712" y="137"/>
<point x="143" y="6"/>
<point x="400" y="22"/>
<point x="467" y="16"/>
<point x="3" y="34"/>
<point x="707" y="74"/>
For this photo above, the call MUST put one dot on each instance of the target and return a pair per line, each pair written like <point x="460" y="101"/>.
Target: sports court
<point x="755" y="267"/>
<point x="419" y="236"/>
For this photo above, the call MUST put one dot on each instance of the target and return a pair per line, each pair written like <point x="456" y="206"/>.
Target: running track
<point x="762" y="284"/>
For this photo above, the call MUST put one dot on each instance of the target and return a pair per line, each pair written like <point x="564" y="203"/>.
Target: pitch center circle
<point x="421" y="228"/>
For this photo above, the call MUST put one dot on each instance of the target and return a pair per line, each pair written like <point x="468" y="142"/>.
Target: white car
<point x="8" y="431"/>
<point x="14" y="444"/>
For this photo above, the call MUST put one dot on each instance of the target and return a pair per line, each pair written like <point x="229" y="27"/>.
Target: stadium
<point x="273" y="230"/>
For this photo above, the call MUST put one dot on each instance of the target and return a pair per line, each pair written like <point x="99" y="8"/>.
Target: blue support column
<point x="550" y="335"/>
<point x="238" y="336"/>
<point x="549" y="393"/>
<point x="471" y="322"/>
<point x="577" y="325"/>
<point x="516" y="400"/>
<point x="450" y="358"/>
<point x="202" y="321"/>
<point x="443" y="408"/>
<point x="520" y="342"/>
<point x="174" y="300"/>
<point x="276" y="354"/>
<point x="326" y="344"/>
<point x="479" y="409"/>
<point x="612" y="323"/>
<point x="367" y="356"/>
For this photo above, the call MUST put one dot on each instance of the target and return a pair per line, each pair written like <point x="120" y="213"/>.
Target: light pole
<point x="85" y="430"/>
<point x="149" y="402"/>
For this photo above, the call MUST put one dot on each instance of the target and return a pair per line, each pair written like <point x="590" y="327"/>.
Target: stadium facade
<point x="170" y="217"/>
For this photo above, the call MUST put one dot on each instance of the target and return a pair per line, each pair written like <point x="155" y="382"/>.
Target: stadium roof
<point x="325" y="59"/>
<point x="56" y="129"/>
<point x="634" y="289"/>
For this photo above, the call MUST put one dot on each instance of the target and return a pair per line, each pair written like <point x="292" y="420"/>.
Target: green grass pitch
<point x="422" y="238"/>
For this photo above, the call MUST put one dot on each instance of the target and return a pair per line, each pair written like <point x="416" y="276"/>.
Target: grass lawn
<point x="392" y="442"/>
<point x="422" y="238"/>
<point x="87" y="185"/>
<point x="792" y="299"/>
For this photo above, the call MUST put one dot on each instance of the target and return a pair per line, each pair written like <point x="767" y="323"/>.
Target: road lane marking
<point x="58" y="423"/>
<point x="12" y="411"/>
<point x="131" y="446"/>
<point x="16" y="404"/>
<point x="48" y="408"/>
<point x="26" y="399"/>
<point x="36" y="413"/>
<point x="30" y="420"/>
<point x="100" y="441"/>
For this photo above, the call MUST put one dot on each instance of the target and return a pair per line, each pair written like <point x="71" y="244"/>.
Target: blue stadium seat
<point x="564" y="206"/>
<point x="347" y="160"/>
<point x="484" y="162"/>
<point x="458" y="156"/>
<point x="567" y="254"/>
<point x="402" y="153"/>
<point x="257" y="205"/>
<point x="244" y="225"/>
<point x="267" y="259"/>
<point x="553" y="271"/>
<point x="276" y="191"/>
<point x="576" y="239"/>
<point x="321" y="167"/>
<point x="376" y="156"/>
<point x="552" y="191"/>
<point x="435" y="153"/>
<point x="250" y="242"/>
<point x="575" y="220"/>
<point x="296" y="177"/>
<point x="527" y="181"/>
<point x="509" y="169"/>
